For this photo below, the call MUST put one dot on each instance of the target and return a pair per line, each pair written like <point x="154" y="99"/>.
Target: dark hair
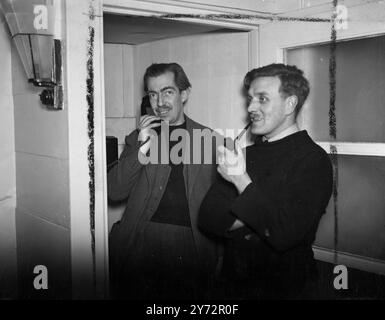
<point x="157" y="69"/>
<point x="292" y="81"/>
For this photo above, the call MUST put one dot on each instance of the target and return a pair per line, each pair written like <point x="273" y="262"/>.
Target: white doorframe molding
<point x="89" y="267"/>
<point x="155" y="8"/>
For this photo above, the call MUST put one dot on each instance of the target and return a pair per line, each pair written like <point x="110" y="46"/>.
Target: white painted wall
<point x="41" y="146"/>
<point x="7" y="172"/>
<point x="121" y="111"/>
<point x="42" y="211"/>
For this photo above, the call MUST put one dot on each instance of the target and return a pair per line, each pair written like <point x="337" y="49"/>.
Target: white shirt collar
<point x="288" y="131"/>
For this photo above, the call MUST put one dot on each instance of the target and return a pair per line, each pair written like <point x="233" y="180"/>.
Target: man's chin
<point x="258" y="131"/>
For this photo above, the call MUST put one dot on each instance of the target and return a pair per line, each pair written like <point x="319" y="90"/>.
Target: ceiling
<point x="137" y="30"/>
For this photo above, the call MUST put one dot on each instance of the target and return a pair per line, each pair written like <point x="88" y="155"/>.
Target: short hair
<point x="292" y="81"/>
<point x="157" y="69"/>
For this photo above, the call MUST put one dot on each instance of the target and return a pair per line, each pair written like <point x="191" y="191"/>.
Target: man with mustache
<point x="269" y="213"/>
<point x="156" y="250"/>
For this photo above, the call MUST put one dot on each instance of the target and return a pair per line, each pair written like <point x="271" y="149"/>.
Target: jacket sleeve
<point x="284" y="219"/>
<point x="122" y="177"/>
<point x="215" y="216"/>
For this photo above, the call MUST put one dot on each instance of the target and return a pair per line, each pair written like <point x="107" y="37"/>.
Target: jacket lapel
<point x="190" y="170"/>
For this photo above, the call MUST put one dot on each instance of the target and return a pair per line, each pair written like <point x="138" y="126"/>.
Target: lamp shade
<point x="31" y="23"/>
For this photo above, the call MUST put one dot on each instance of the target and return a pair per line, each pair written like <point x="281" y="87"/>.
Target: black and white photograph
<point x="191" y="156"/>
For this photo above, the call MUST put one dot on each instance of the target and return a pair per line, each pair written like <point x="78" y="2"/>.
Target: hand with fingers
<point x="232" y="166"/>
<point x="146" y="127"/>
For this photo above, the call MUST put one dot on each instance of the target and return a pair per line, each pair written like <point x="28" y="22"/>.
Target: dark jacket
<point x="291" y="187"/>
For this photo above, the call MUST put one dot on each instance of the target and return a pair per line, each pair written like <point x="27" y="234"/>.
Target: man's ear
<point x="291" y="103"/>
<point x="185" y="94"/>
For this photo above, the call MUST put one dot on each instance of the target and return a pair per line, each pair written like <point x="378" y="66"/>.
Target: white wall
<point x="7" y="172"/>
<point x="364" y="19"/>
<point x="42" y="212"/>
<point x="121" y="111"/>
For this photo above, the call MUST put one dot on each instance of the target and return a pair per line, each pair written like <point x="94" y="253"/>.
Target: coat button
<point x="248" y="236"/>
<point x="267" y="233"/>
<point x="160" y="188"/>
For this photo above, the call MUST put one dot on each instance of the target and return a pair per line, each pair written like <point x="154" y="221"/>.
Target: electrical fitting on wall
<point x="31" y="24"/>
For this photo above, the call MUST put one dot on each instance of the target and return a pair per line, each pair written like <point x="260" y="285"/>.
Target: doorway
<point x="215" y="58"/>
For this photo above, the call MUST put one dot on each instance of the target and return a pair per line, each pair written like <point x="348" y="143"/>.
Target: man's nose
<point x="160" y="100"/>
<point x="253" y="106"/>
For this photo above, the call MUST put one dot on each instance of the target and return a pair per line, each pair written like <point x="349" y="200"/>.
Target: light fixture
<point x="31" y="23"/>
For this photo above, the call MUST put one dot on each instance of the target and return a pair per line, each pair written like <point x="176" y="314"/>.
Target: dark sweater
<point x="281" y="208"/>
<point x="173" y="207"/>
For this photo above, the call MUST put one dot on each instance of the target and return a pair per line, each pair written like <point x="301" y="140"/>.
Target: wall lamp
<point x="31" y="23"/>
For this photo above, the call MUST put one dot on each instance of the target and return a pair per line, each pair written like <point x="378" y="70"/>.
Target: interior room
<point x="54" y="208"/>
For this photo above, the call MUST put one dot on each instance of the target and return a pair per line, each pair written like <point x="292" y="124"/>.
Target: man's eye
<point x="262" y="99"/>
<point x="152" y="95"/>
<point x="168" y="92"/>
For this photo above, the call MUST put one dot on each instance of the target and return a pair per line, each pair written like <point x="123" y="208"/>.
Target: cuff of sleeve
<point x="137" y="164"/>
